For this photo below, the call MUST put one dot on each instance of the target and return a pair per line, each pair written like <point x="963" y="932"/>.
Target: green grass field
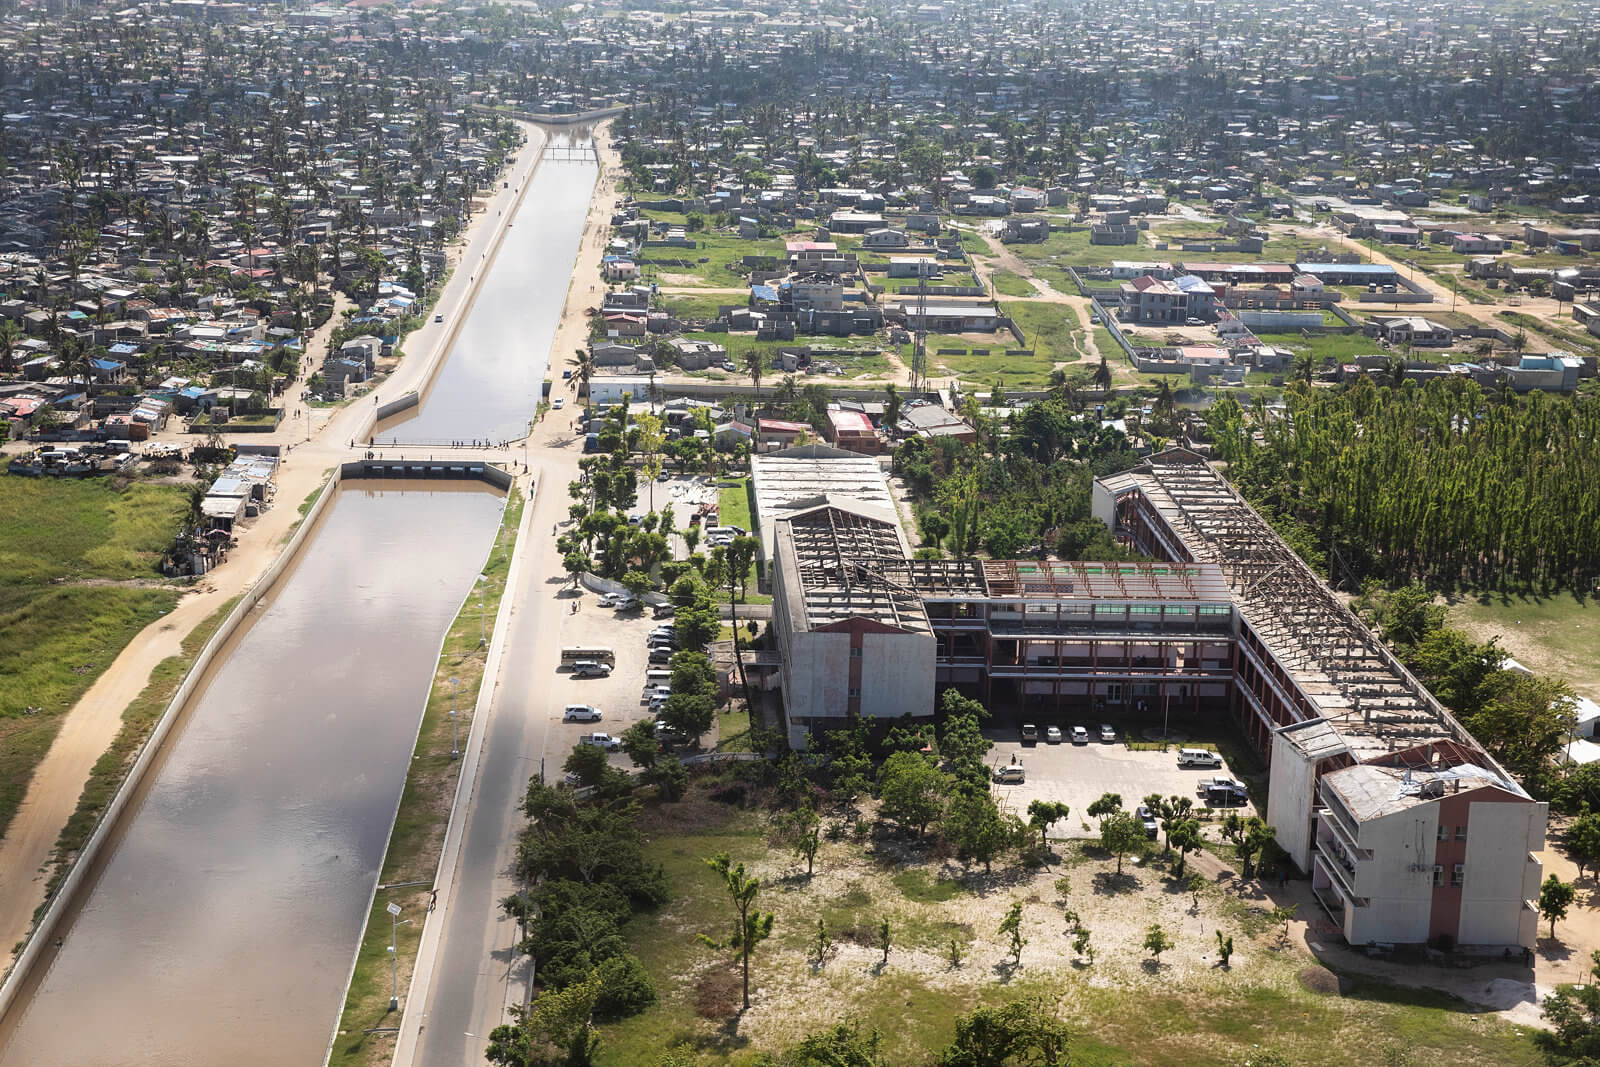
<point x="1558" y="634"/>
<point x="78" y="580"/>
<point x="1007" y="283"/>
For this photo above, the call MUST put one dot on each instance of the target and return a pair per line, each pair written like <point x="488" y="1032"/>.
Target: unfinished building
<point x="1409" y="830"/>
<point x="1367" y="768"/>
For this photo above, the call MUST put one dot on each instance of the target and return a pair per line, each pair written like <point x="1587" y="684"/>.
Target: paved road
<point x="477" y="971"/>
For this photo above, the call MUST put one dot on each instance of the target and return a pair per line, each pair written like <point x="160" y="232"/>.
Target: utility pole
<point x="919" y="345"/>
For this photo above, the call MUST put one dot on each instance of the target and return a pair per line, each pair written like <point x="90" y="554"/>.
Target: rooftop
<point x="1371" y="791"/>
<point x="797" y="478"/>
<point x="1353" y="679"/>
<point x="837" y="559"/>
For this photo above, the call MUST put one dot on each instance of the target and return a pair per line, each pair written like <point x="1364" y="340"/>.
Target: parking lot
<point x="1077" y="775"/>
<point x="619" y="696"/>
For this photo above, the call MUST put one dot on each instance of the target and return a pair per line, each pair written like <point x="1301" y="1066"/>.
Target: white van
<point x="656" y="678"/>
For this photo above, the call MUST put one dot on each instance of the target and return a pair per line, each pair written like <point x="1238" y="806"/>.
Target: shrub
<point x="625" y="988"/>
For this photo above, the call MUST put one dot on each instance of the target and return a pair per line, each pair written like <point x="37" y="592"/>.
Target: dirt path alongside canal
<point x="94" y="722"/>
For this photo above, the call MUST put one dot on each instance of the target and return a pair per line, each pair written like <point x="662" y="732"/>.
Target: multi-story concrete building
<point x="1409" y="830"/>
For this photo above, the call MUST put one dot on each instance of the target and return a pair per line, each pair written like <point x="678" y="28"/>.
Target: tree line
<point x="1436" y="482"/>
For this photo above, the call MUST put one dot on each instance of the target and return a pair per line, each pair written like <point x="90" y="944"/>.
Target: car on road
<point x="589" y="668"/>
<point x="1080" y="736"/>
<point x="1147" y="819"/>
<point x="1011" y="774"/>
<point x="1030" y="734"/>
<point x="1052" y="734"/>
<point x="581" y="713"/>
<point x="605" y="741"/>
<point x="438" y="318"/>
<point x="1191" y="321"/>
<point x="1198" y="757"/>
<point x="1107" y="734"/>
<point x="558" y="403"/>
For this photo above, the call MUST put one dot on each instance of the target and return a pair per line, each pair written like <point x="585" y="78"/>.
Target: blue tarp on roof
<point x="123" y="349"/>
<point x="107" y="364"/>
<point x="764" y="292"/>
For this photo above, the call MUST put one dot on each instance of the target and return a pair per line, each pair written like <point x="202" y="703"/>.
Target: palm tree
<point x="10" y="336"/>
<point x="1102" y="375"/>
<point x="752" y="366"/>
<point x="584" y="364"/>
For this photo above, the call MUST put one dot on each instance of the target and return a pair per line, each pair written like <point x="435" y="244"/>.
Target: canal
<point x="488" y="387"/>
<point x="220" y="922"/>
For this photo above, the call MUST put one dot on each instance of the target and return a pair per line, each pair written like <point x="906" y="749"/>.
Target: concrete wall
<point x="1400" y="898"/>
<point x="1500" y="872"/>
<point x="1291" y="792"/>
<point x="897" y="672"/>
<point x="1280" y="320"/>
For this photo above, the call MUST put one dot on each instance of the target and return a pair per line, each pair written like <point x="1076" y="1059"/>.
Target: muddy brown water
<point x="221" y="923"/>
<point x="489" y="385"/>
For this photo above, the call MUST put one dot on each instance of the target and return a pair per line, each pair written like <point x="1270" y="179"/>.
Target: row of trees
<point x="1439" y="482"/>
<point x="587" y="874"/>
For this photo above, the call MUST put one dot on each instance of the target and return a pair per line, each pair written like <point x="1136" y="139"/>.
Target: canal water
<point x="221" y="925"/>
<point x="488" y="387"/>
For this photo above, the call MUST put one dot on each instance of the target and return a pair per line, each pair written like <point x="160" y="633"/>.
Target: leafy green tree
<point x="1185" y="837"/>
<point x="1555" y="897"/>
<point x="1080" y="945"/>
<point x="556" y="1031"/>
<point x="588" y="762"/>
<point x="975" y="824"/>
<point x="1224" y="948"/>
<point x="1023" y="1031"/>
<point x="1583" y="839"/>
<point x="641" y="745"/>
<point x="1156" y="941"/>
<point x="1042" y="814"/>
<point x="841" y="1045"/>
<point x="912" y="790"/>
<point x="1526" y="721"/>
<point x="1105" y="806"/>
<point x="801" y="833"/>
<point x="753" y="926"/>
<point x="1011" y="926"/>
<point x="1121" y="832"/>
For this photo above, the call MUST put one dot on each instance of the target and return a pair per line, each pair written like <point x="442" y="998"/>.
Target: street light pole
<point x="483" y="610"/>
<point x="454" y="688"/>
<point x="394" y="955"/>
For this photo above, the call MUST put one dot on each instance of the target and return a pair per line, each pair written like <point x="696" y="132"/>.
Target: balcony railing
<point x="1342" y="876"/>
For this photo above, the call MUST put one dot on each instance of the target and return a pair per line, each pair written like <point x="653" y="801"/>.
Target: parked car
<point x="663" y="611"/>
<point x="1030" y="734"/>
<point x="581" y="713"/>
<point x="1205" y="785"/>
<point x="1148" y="819"/>
<point x="1011" y="774"/>
<point x="605" y="741"/>
<point x="1052" y="734"/>
<point x="657" y="692"/>
<point x="1198" y="757"/>
<point x="666" y="629"/>
<point x="1107" y="734"/>
<point x="661" y="654"/>
<point x="572" y="778"/>
<point x="1192" y="321"/>
<point x="588" y="668"/>
<point x="1080" y="736"/>
<point x="611" y="600"/>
